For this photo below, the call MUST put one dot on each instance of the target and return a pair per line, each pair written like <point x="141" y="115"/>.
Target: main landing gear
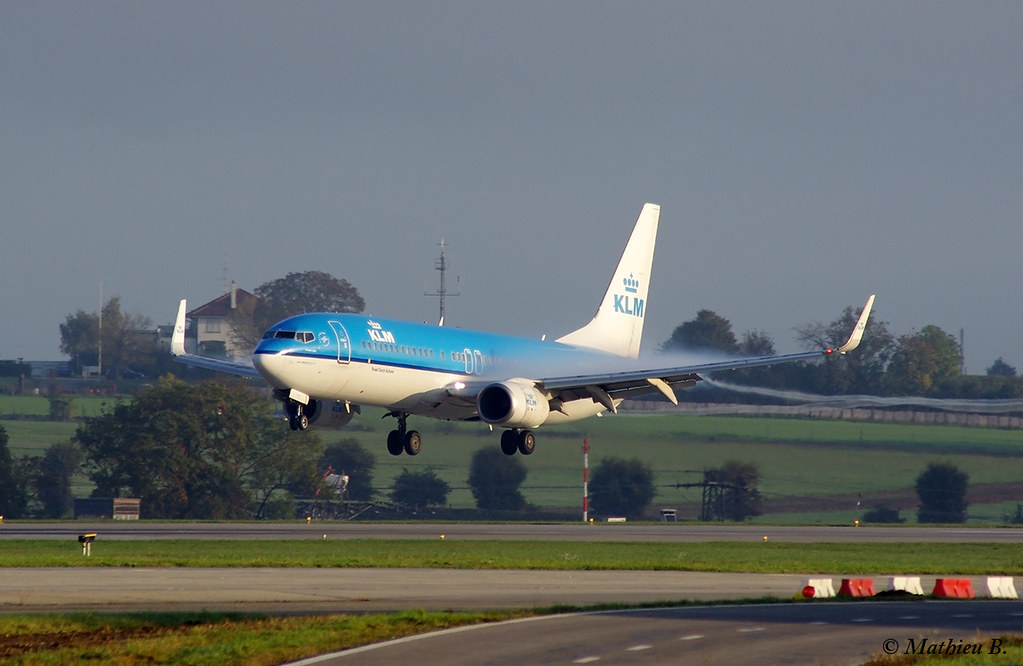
<point x="522" y="441"/>
<point x="403" y="439"/>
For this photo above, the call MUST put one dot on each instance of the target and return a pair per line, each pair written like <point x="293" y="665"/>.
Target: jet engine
<point x="333" y="414"/>
<point x="515" y="403"/>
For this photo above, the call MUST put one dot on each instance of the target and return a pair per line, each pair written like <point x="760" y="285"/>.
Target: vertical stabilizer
<point x="618" y="325"/>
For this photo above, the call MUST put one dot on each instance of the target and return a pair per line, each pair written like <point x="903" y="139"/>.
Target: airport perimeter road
<point x="669" y="532"/>
<point x="756" y="635"/>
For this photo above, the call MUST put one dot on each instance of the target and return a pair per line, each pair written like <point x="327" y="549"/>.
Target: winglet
<point x="857" y="333"/>
<point x="177" y="346"/>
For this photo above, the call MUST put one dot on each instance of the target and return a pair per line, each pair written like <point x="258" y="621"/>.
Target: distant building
<point x="106" y="508"/>
<point x="209" y="330"/>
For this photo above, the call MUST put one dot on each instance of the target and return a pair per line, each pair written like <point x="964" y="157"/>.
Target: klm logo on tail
<point x="626" y="304"/>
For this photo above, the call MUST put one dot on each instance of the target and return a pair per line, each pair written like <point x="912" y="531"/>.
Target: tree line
<point x="925" y="363"/>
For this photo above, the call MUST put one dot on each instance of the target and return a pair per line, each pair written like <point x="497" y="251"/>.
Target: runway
<point x="345" y="590"/>
<point x="616" y="532"/>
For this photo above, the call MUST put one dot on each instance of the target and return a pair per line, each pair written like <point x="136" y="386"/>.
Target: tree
<point x="127" y="343"/>
<point x="882" y="513"/>
<point x="295" y="293"/>
<point x="56" y="471"/>
<point x="708" y="331"/>
<point x="622" y="487"/>
<point x="1001" y="369"/>
<point x="942" y="492"/>
<point x="925" y="363"/>
<point x="351" y="458"/>
<point x="79" y="339"/>
<point x="756" y="343"/>
<point x="15" y="478"/>
<point x="13" y="481"/>
<point x="419" y="490"/>
<point x="862" y="371"/>
<point x="738" y="481"/>
<point x="494" y="480"/>
<point x="208" y="450"/>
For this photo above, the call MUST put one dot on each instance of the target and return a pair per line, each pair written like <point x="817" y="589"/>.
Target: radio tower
<point x="442" y="266"/>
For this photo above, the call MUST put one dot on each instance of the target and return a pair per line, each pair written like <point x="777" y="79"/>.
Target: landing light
<point x="459" y="386"/>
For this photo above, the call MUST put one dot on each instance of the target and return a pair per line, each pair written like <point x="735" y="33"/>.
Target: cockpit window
<point x="301" y="336"/>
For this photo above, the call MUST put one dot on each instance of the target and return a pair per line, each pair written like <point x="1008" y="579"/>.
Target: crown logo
<point x="631" y="284"/>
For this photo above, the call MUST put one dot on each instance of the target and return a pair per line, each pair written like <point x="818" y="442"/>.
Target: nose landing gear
<point x="299" y="415"/>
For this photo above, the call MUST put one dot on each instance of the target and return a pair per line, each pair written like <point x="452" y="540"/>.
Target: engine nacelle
<point x="324" y="414"/>
<point x="331" y="414"/>
<point x="516" y="403"/>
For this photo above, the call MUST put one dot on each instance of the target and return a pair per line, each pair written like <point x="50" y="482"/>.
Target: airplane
<point x="332" y="363"/>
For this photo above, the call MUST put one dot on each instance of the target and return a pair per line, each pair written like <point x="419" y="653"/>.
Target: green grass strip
<point x="755" y="557"/>
<point x="200" y="639"/>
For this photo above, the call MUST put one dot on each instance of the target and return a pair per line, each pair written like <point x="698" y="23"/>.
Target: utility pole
<point x="100" y="360"/>
<point x="586" y="479"/>
<point x="442" y="266"/>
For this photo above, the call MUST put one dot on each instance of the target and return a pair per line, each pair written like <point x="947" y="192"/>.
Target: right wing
<point x="609" y="389"/>
<point x="177" y="349"/>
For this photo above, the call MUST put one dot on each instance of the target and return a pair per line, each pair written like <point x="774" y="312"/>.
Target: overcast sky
<point x="804" y="154"/>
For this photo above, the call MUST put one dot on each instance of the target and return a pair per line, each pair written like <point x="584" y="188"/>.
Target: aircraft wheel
<point x="303" y="422"/>
<point x="526" y="443"/>
<point x="509" y="443"/>
<point x="413" y="442"/>
<point x="293" y="422"/>
<point x="394" y="444"/>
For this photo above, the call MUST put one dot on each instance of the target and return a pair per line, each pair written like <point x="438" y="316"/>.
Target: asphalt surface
<point x="296" y="590"/>
<point x="754" y="635"/>
<point x="667" y="532"/>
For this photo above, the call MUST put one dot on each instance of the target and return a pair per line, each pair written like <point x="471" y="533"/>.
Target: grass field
<point x="17" y="406"/>
<point x="796" y="457"/>
<point x="757" y="557"/>
<point x="207" y="638"/>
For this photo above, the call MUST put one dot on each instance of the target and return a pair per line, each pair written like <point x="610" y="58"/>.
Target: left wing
<point x="609" y="389"/>
<point x="221" y="365"/>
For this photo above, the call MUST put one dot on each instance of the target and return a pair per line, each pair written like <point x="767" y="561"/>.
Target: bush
<point x="882" y="514"/>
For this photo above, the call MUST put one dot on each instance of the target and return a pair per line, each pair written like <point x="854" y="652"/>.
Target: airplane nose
<point x="271" y="366"/>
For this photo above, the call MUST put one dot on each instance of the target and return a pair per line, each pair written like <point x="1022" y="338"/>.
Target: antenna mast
<point x="442" y="266"/>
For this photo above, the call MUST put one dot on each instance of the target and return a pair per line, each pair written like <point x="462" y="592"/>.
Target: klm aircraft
<point x="325" y="366"/>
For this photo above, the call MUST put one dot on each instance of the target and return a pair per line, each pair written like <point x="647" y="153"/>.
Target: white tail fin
<point x="618" y="325"/>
